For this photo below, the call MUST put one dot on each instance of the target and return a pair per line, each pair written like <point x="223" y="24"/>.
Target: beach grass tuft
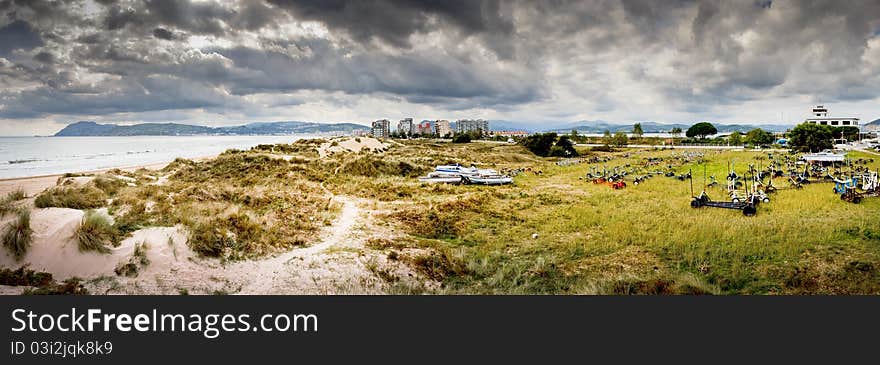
<point x="95" y="233"/>
<point x="7" y="203"/>
<point x="17" y="235"/>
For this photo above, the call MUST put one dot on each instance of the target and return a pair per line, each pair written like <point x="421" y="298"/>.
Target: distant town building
<point x="820" y="116"/>
<point x="510" y="133"/>
<point x="442" y="128"/>
<point x="471" y="125"/>
<point x="381" y="128"/>
<point x="425" y="127"/>
<point x="405" y="127"/>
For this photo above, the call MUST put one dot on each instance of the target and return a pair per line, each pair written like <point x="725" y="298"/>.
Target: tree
<point x="620" y="139"/>
<point x="735" y="138"/>
<point x="564" y="148"/>
<point x="575" y="136"/>
<point x="539" y="144"/>
<point x="462" y="138"/>
<point x="759" y="137"/>
<point x="606" y="137"/>
<point x="701" y="130"/>
<point x="848" y="132"/>
<point x="811" y="137"/>
<point x="637" y="130"/>
<point x="676" y="132"/>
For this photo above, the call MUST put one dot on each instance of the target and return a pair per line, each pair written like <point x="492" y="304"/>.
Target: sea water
<point x="35" y="156"/>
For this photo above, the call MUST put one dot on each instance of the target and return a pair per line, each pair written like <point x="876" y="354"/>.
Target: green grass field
<point x="644" y="239"/>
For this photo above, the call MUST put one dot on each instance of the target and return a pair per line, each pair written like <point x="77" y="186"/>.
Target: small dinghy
<point x="488" y="179"/>
<point x="456" y="174"/>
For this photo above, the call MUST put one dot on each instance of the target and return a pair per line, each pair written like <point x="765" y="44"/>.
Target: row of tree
<point x="804" y="137"/>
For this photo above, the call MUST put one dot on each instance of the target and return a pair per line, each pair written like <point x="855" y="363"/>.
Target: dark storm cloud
<point x="202" y="17"/>
<point x="18" y="35"/>
<point x="150" y="94"/>
<point x="162" y="33"/>
<point x="44" y="57"/>
<point x="409" y="74"/>
<point x="76" y="57"/>
<point x="394" y="21"/>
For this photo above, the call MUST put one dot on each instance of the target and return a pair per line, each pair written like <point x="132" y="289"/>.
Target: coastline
<point x="33" y="185"/>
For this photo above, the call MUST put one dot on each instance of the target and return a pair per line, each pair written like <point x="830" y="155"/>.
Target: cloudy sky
<point x="542" y="62"/>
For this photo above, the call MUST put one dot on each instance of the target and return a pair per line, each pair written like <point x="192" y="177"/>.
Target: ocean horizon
<point x="38" y="156"/>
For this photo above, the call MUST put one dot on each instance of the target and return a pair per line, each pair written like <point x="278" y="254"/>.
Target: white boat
<point x="469" y="175"/>
<point x="441" y="178"/>
<point x="488" y="179"/>
<point x="824" y="156"/>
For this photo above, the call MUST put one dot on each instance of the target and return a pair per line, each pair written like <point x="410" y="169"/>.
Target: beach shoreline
<point x="33" y="185"/>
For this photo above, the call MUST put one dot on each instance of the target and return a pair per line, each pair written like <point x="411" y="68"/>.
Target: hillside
<point x="654" y="127"/>
<point x="86" y="128"/>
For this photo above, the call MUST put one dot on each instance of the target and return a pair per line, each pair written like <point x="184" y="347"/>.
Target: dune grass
<point x="95" y="233"/>
<point x="138" y="260"/>
<point x="91" y="195"/>
<point x="7" y="203"/>
<point x="241" y="204"/>
<point x="17" y="235"/>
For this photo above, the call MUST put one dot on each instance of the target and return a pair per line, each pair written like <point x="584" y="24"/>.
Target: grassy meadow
<point x="557" y="233"/>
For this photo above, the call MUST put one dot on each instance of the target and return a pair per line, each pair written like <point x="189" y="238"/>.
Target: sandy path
<point x="272" y="276"/>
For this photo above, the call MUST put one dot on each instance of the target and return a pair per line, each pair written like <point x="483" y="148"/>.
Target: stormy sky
<point x="541" y="62"/>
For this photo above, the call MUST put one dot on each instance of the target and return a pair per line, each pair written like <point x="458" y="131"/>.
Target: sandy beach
<point x="33" y="185"/>
<point x="334" y="263"/>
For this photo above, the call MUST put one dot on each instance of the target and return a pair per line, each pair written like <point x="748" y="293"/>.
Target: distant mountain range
<point x="872" y="126"/>
<point x="653" y="127"/>
<point x="86" y="128"/>
<point x="599" y="126"/>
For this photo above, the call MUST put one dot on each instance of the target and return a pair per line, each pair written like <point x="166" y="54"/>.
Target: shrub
<point x="6" y="204"/>
<point x="138" y="259"/>
<point x="133" y="219"/>
<point x="107" y="184"/>
<point x="17" y="194"/>
<point x="17" y="236"/>
<point x="207" y="239"/>
<point x="95" y="233"/>
<point x="461" y="138"/>
<point x="85" y="197"/>
<point x="564" y="148"/>
<point x="72" y="286"/>
<point x="371" y="166"/>
<point x="24" y="277"/>
<point x="539" y="144"/>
